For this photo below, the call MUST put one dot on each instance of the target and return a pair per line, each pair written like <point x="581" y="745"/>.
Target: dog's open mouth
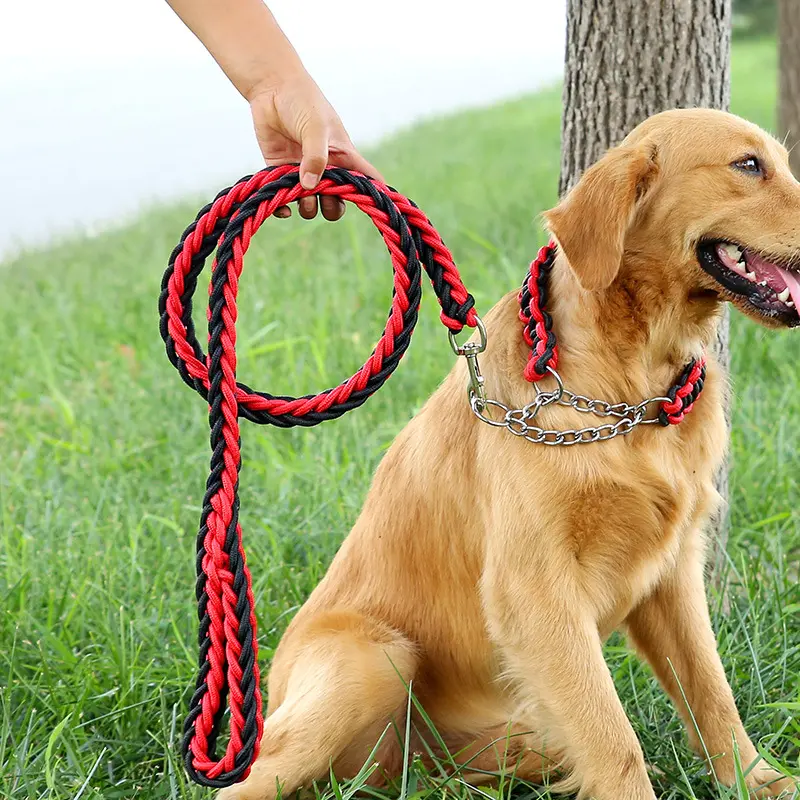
<point x="768" y="288"/>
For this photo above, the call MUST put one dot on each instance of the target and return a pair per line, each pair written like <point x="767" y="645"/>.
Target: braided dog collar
<point x="538" y="333"/>
<point x="543" y="362"/>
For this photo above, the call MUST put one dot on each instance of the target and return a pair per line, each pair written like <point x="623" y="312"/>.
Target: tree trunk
<point x="789" y="80"/>
<point x="627" y="60"/>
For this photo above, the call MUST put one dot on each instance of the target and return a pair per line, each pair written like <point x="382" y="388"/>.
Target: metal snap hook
<point x="476" y="389"/>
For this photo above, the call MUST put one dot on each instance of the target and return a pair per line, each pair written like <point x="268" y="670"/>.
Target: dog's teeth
<point x="784" y="295"/>
<point x="751" y="276"/>
<point x="762" y="283"/>
<point x="740" y="266"/>
<point x="732" y="251"/>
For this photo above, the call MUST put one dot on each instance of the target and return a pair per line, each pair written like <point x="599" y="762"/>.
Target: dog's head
<point x="706" y="196"/>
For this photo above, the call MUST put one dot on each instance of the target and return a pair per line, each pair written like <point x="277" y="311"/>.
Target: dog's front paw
<point x="763" y="781"/>
<point x="766" y="782"/>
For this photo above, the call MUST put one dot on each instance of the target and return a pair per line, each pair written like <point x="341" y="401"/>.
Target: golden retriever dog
<point x="486" y="571"/>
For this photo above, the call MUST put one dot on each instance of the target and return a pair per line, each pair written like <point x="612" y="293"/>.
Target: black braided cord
<point x="542" y="282"/>
<point x="418" y="249"/>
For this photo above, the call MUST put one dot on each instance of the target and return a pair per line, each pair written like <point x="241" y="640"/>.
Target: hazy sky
<point x="109" y="104"/>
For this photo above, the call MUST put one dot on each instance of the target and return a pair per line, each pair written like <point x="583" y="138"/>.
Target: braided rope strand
<point x="539" y="336"/>
<point x="683" y="394"/>
<point x="537" y="322"/>
<point x="228" y="676"/>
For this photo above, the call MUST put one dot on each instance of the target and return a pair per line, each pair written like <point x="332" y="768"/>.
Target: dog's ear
<point x="590" y="223"/>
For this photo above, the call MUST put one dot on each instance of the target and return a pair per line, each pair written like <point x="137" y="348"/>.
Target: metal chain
<point x="518" y="421"/>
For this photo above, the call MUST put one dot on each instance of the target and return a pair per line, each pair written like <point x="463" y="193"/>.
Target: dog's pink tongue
<point x="777" y="277"/>
<point x="793" y="285"/>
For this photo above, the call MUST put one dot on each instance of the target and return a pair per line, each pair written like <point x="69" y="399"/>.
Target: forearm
<point x="244" y="39"/>
<point x="293" y="121"/>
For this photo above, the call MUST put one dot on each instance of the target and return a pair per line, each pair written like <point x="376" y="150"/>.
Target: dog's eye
<point x="749" y="164"/>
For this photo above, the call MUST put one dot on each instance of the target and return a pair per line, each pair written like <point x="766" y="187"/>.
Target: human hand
<point x="292" y="118"/>
<point x="295" y="122"/>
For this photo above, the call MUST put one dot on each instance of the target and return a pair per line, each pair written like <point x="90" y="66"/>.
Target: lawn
<point x="104" y="459"/>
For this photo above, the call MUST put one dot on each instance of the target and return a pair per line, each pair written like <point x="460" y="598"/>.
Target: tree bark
<point x="789" y="79"/>
<point x="627" y="60"/>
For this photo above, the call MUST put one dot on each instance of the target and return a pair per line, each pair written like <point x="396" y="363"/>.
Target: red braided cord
<point x="223" y="655"/>
<point x="674" y="410"/>
<point x="534" y="311"/>
<point x="224" y="651"/>
<point x="385" y="346"/>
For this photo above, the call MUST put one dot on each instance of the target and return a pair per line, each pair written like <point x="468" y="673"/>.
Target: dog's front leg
<point x="553" y="652"/>
<point x="673" y="630"/>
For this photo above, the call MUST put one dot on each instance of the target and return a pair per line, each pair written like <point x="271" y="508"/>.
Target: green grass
<point x="104" y="458"/>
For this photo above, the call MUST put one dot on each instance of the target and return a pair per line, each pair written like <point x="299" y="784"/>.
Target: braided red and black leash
<point x="228" y="668"/>
<point x="228" y="675"/>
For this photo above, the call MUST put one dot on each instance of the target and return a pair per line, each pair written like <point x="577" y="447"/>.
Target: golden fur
<point x="487" y="571"/>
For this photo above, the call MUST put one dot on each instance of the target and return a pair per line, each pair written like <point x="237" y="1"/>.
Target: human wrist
<point x="267" y="79"/>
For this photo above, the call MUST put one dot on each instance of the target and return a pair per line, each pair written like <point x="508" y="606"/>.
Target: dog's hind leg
<point x="335" y="676"/>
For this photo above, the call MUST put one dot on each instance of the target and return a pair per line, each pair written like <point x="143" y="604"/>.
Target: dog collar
<point x="542" y="362"/>
<point x="539" y="336"/>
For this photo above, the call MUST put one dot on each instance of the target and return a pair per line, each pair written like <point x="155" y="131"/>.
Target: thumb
<point x="314" y="143"/>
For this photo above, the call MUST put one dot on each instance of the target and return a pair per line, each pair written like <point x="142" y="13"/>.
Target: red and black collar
<point x="539" y="336"/>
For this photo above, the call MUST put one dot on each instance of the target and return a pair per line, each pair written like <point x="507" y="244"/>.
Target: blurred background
<point x="159" y="120"/>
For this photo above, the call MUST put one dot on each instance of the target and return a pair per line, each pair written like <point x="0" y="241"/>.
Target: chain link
<point x="601" y="408"/>
<point x="519" y="421"/>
